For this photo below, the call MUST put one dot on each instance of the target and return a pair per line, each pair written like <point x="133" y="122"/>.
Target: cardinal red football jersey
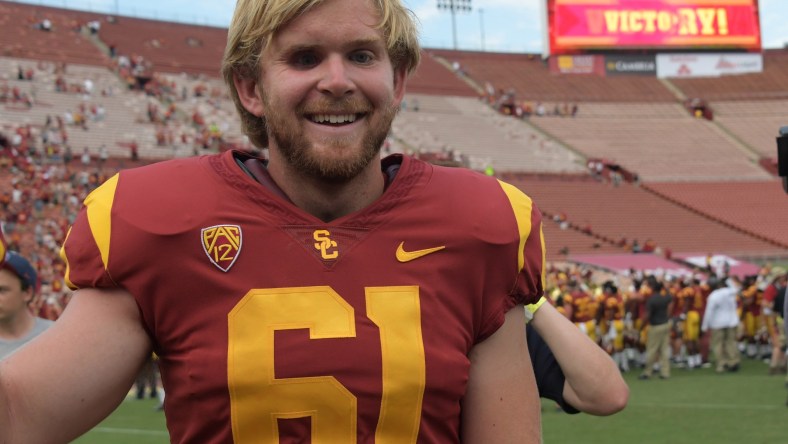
<point x="272" y="325"/>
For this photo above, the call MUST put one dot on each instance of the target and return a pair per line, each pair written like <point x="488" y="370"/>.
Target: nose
<point x="335" y="77"/>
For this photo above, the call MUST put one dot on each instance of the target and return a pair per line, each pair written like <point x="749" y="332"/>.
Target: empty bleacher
<point x="758" y="207"/>
<point x="630" y="212"/>
<point x="658" y="141"/>
<point x="171" y="47"/>
<point x="755" y="122"/>
<point x="433" y="77"/>
<point x="64" y="43"/>
<point x="531" y="80"/>
<point x="483" y="135"/>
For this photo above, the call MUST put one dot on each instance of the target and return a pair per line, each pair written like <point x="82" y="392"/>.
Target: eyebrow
<point x="367" y="41"/>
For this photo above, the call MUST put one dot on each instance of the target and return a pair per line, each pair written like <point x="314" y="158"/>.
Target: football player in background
<point x="690" y="300"/>
<point x="580" y="307"/>
<point x="754" y="331"/>
<point x="612" y="325"/>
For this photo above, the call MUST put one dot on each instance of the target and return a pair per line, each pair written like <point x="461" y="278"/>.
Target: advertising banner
<point x="577" y="64"/>
<point x="576" y="25"/>
<point x="707" y="65"/>
<point x="642" y="65"/>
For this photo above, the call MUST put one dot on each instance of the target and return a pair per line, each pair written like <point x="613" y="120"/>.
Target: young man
<point x="18" y="284"/>
<point x="325" y="296"/>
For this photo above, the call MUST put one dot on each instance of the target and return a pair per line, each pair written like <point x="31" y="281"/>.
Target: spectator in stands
<point x="44" y="25"/>
<point x="85" y="158"/>
<point x="18" y="287"/>
<point x="722" y="318"/>
<point x="134" y="151"/>
<point x="94" y="26"/>
<point x="103" y="155"/>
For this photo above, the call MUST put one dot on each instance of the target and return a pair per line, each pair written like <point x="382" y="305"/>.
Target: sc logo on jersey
<point x="325" y="245"/>
<point x="222" y="244"/>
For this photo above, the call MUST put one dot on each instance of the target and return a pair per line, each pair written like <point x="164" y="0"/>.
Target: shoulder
<point x="173" y="174"/>
<point x="44" y="323"/>
<point x="170" y="190"/>
<point x="478" y="192"/>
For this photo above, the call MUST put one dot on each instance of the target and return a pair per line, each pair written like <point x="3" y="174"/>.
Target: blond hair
<point x="255" y="22"/>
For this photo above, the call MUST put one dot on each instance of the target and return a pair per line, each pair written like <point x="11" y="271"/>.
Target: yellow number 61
<point x="258" y="398"/>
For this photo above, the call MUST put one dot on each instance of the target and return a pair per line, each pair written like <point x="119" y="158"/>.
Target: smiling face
<point x="327" y="90"/>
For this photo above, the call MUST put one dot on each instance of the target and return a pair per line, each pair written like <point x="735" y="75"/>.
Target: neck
<point x="17" y="326"/>
<point x="327" y="200"/>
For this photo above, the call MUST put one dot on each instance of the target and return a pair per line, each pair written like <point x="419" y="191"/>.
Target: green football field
<point x="692" y="407"/>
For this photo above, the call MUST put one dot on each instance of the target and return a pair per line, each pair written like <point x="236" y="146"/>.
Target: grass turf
<point x="691" y="407"/>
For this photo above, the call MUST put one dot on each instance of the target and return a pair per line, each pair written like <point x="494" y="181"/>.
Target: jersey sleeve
<point x="3" y="245"/>
<point x="86" y="248"/>
<point x="530" y="281"/>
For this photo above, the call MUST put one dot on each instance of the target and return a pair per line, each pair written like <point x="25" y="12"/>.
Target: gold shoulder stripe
<point x="99" y="207"/>
<point x="63" y="256"/>
<point x="522" y="206"/>
<point x="544" y="256"/>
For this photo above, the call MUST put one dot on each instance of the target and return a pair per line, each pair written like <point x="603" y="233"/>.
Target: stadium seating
<point x="755" y="123"/>
<point x="631" y="212"/>
<point x="485" y="136"/>
<point x="659" y="141"/>
<point x="532" y="81"/>
<point x="173" y="48"/>
<point x="759" y="208"/>
<point x="703" y="185"/>
<point x="64" y="43"/>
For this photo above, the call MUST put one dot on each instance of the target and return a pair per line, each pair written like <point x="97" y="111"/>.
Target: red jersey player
<point x="324" y="296"/>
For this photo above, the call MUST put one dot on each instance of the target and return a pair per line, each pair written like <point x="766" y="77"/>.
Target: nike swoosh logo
<point x="407" y="256"/>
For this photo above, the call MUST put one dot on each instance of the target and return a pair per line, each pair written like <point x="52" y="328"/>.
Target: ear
<point x="400" y="78"/>
<point x="249" y="95"/>
<point x="30" y="296"/>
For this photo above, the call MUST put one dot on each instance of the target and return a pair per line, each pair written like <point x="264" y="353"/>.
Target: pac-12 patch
<point x="222" y="244"/>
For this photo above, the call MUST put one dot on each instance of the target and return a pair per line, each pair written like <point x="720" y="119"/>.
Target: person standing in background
<point x="18" y="285"/>
<point x="658" y="308"/>
<point x="722" y="318"/>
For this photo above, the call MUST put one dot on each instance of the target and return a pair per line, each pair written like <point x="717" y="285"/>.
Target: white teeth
<point x="333" y="118"/>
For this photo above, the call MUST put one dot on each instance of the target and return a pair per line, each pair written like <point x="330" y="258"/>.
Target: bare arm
<point x="593" y="383"/>
<point x="501" y="403"/>
<point x="76" y="373"/>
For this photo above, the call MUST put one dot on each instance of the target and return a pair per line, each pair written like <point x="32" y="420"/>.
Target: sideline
<point x="130" y="431"/>
<point x="708" y="406"/>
